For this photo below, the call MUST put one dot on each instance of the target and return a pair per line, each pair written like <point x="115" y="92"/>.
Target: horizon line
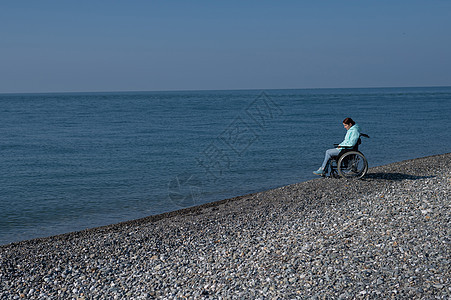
<point x="218" y="90"/>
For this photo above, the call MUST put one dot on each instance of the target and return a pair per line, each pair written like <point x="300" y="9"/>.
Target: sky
<point x="95" y="46"/>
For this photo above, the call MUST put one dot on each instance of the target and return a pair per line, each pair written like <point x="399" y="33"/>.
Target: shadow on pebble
<point x="394" y="176"/>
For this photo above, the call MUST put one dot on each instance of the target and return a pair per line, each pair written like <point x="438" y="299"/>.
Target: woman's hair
<point x="349" y="121"/>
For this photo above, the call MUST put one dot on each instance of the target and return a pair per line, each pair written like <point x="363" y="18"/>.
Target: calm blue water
<point x="75" y="161"/>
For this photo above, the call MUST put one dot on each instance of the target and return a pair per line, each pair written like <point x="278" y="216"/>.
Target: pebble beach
<point x="385" y="236"/>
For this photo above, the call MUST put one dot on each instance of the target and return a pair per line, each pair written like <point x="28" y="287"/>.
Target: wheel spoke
<point x="352" y="164"/>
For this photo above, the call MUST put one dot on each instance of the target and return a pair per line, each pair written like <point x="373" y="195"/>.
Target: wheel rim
<point x="352" y="165"/>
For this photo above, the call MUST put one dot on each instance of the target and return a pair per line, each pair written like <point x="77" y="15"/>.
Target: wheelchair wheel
<point x="352" y="164"/>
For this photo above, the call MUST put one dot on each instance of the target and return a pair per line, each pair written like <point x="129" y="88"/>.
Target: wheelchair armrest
<point x="343" y="147"/>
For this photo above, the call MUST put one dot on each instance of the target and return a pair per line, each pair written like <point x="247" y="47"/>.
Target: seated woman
<point x="351" y="138"/>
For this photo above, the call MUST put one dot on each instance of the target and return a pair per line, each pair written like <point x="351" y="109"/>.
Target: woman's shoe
<point x="319" y="172"/>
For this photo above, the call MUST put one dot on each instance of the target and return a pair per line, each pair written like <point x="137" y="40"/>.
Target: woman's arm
<point x="351" y="138"/>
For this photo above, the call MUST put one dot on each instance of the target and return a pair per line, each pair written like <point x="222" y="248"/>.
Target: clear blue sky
<point x="76" y="46"/>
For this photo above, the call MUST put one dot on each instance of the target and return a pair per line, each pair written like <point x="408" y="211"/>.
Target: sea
<point x="72" y="161"/>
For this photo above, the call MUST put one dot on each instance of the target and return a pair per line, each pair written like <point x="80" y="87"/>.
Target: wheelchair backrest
<point x="356" y="146"/>
<point x="359" y="141"/>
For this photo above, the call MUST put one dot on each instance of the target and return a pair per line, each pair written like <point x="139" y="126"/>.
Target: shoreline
<point x="188" y="210"/>
<point x="257" y="237"/>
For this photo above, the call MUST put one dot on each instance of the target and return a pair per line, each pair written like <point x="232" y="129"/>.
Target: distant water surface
<point x="75" y="161"/>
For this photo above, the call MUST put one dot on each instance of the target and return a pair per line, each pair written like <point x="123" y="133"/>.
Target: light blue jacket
<point x="352" y="136"/>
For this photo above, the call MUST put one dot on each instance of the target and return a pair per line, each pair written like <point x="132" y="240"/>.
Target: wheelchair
<point x="349" y="163"/>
